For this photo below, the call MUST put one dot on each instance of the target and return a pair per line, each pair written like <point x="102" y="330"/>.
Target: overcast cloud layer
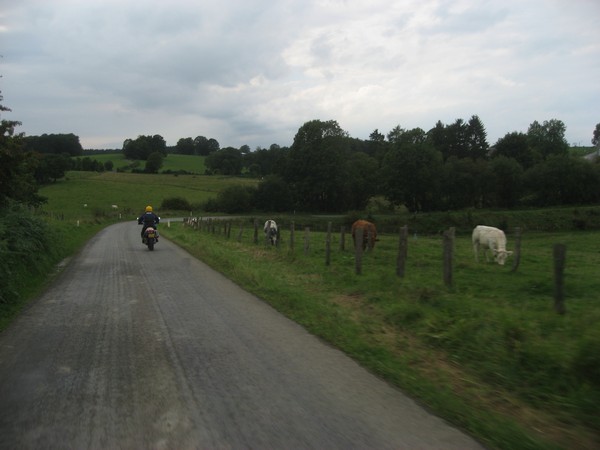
<point x="253" y="71"/>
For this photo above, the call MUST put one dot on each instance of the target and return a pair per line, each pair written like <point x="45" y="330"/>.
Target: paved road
<point x="149" y="350"/>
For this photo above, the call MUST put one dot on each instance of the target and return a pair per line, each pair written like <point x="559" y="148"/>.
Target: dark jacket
<point x="148" y="219"/>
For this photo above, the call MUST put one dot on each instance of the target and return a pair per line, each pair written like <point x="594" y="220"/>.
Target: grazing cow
<point x="270" y="230"/>
<point x="368" y="228"/>
<point x="493" y="239"/>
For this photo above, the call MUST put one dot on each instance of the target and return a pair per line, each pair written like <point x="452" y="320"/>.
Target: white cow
<point x="493" y="239"/>
<point x="270" y="230"/>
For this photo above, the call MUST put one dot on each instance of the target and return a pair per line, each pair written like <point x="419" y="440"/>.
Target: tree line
<point x="451" y="166"/>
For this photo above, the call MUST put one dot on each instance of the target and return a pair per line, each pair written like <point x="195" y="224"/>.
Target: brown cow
<point x="368" y="228"/>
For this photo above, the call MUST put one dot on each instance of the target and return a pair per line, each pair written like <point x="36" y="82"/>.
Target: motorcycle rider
<point x="149" y="219"/>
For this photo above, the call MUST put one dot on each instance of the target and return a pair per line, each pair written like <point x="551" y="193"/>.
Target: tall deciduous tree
<point x="507" y="181"/>
<point x="563" y="180"/>
<point x="548" y="138"/>
<point x="466" y="183"/>
<point x="596" y="136"/>
<point x="17" y="166"/>
<point x="55" y="144"/>
<point x="316" y="170"/>
<point x="185" y="146"/>
<point x="411" y="174"/>
<point x="143" y="146"/>
<point x="154" y="162"/>
<point x="227" y="161"/>
<point x="515" y="145"/>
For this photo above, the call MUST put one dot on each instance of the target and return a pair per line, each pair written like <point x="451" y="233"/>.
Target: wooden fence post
<point x="448" y="253"/>
<point x="560" y="252"/>
<point x="328" y="245"/>
<point x="239" y="237"/>
<point x="342" y="238"/>
<point x="358" y="250"/>
<point x="306" y="240"/>
<point x="517" y="251"/>
<point x="402" y="251"/>
<point x="292" y="235"/>
<point x="255" y="231"/>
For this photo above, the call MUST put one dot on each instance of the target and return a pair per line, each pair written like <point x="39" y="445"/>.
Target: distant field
<point x="131" y="192"/>
<point x="189" y="163"/>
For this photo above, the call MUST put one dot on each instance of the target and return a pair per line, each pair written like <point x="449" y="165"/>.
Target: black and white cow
<point x="270" y="230"/>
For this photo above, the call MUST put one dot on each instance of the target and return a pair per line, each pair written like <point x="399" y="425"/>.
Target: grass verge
<point x="444" y="347"/>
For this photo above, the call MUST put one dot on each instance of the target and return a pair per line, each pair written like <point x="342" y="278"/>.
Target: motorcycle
<point x="150" y="237"/>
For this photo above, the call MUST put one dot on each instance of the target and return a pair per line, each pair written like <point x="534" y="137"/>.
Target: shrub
<point x="176" y="204"/>
<point x="26" y="249"/>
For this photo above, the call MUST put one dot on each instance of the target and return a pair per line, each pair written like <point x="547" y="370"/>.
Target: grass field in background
<point x="130" y="192"/>
<point x="189" y="163"/>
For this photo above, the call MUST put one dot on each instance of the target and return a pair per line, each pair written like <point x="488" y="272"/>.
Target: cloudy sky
<point x="253" y="71"/>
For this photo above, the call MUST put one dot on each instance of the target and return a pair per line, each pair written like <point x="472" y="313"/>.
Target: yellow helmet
<point x="148" y="208"/>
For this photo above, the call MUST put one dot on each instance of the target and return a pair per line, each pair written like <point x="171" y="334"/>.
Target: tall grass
<point x="489" y="353"/>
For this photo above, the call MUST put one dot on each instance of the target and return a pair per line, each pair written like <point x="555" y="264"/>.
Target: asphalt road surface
<point x="149" y="350"/>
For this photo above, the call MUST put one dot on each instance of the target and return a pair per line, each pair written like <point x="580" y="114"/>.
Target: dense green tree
<point x="205" y="146"/>
<point x="400" y="136"/>
<point x="362" y="182"/>
<point x="201" y="146"/>
<point x="185" y="146"/>
<point x="507" y="182"/>
<point x="466" y="183"/>
<point x="563" y="180"/>
<point x="596" y="136"/>
<point x="213" y="146"/>
<point x="17" y="166"/>
<point x="143" y="146"/>
<point x="411" y="175"/>
<point x="515" y="145"/>
<point x="227" y="161"/>
<point x="315" y="168"/>
<point x="548" y="138"/>
<point x="236" y="199"/>
<point x="51" y="167"/>
<point x="154" y="162"/>
<point x="266" y="161"/>
<point x="477" y="139"/>
<point x="376" y="145"/>
<point x="273" y="195"/>
<point x="460" y="139"/>
<point x="54" y="143"/>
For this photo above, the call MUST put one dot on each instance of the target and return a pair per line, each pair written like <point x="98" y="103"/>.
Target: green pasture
<point x="189" y="163"/>
<point x="489" y="353"/>
<point x="88" y="195"/>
